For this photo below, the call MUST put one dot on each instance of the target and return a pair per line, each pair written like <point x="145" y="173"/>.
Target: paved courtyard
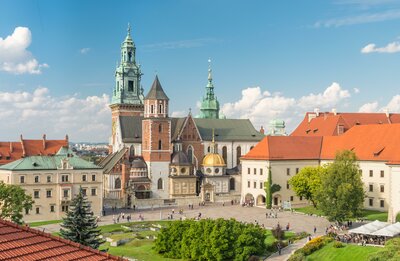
<point x="298" y="222"/>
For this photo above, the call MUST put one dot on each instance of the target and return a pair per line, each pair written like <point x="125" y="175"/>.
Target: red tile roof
<point x="375" y="142"/>
<point x="24" y="243"/>
<point x="15" y="150"/>
<point x="326" y="123"/>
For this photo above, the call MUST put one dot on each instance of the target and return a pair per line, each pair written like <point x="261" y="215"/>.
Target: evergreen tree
<point x="270" y="189"/>
<point x="80" y="224"/>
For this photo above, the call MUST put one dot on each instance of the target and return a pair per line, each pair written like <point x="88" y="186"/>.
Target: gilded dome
<point x="213" y="159"/>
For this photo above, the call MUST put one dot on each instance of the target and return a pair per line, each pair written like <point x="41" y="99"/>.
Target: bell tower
<point x="127" y="96"/>
<point x="209" y="106"/>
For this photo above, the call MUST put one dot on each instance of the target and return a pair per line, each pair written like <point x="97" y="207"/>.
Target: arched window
<point x="238" y="154"/>
<point x="160" y="183"/>
<point x="151" y="108"/>
<point x="160" y="108"/>
<point x="117" y="184"/>
<point x="129" y="56"/>
<point x="160" y="128"/>
<point x="159" y="145"/>
<point x="232" y="184"/>
<point x="132" y="151"/>
<point x="190" y="154"/>
<point x="208" y="149"/>
<point x="225" y="153"/>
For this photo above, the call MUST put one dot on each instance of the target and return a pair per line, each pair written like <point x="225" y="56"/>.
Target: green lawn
<point x="42" y="223"/>
<point x="367" y="214"/>
<point x="349" y="252"/>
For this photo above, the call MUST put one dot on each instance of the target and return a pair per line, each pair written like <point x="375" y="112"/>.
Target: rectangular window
<point x="371" y="202"/>
<point x="382" y="203"/>
<point x="255" y="184"/>
<point x="382" y="174"/>
<point x="48" y="179"/>
<point x="84" y="192"/>
<point x="48" y="193"/>
<point x="93" y="177"/>
<point x="52" y="208"/>
<point x="288" y="172"/>
<point x="83" y="177"/>
<point x="66" y="193"/>
<point x="297" y="170"/>
<point x="93" y="192"/>
<point x="261" y="171"/>
<point x="301" y="198"/>
<point x="64" y="178"/>
<point x="261" y="185"/>
<point x="36" y="179"/>
<point x="21" y="179"/>
<point x="291" y="198"/>
<point x="382" y="188"/>
<point x="287" y="185"/>
<point x="248" y="184"/>
<point x="37" y="210"/>
<point x="36" y="194"/>
<point x="255" y="171"/>
<point x="26" y="211"/>
<point x="371" y="173"/>
<point x="130" y="86"/>
<point x="248" y="170"/>
<point x="371" y="188"/>
<point x="64" y="208"/>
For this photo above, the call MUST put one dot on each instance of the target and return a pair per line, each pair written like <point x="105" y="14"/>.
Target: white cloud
<point x="360" y="19"/>
<point x="84" y="50"/>
<point x="393" y="47"/>
<point x="369" y="107"/>
<point x="394" y="104"/>
<point x="14" y="56"/>
<point x="329" y="98"/>
<point x="262" y="106"/>
<point x="37" y="112"/>
<point x="179" y="114"/>
<point x="356" y="90"/>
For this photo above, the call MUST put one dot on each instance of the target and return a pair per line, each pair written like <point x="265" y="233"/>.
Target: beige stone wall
<point x="44" y="200"/>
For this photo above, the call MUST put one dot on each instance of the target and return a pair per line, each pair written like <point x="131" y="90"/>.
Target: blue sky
<point x="269" y="58"/>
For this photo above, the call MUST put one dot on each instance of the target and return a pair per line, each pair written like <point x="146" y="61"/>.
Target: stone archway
<point x="260" y="200"/>
<point x="207" y="193"/>
<point x="249" y="198"/>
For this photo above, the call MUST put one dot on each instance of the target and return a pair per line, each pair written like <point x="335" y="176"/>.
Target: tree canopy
<point x="210" y="240"/>
<point x="341" y="194"/>
<point x="13" y="201"/>
<point x="80" y="225"/>
<point x="307" y="182"/>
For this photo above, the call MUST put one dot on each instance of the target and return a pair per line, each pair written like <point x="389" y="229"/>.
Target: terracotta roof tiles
<point x="24" y="243"/>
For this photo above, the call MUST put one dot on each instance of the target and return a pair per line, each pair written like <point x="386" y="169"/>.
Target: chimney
<point x="316" y="110"/>
<point x="11" y="147"/>
<point x="44" y="141"/>
<point x="386" y="111"/>
<point x="334" y="111"/>
<point x="262" y="130"/>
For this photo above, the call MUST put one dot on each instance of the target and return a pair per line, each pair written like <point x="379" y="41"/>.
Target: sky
<point x="270" y="59"/>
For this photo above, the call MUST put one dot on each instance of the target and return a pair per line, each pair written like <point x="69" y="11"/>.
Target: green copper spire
<point x="209" y="106"/>
<point x="127" y="89"/>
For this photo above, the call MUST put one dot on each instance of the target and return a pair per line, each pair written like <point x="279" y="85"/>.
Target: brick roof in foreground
<point x="326" y="123"/>
<point x="24" y="243"/>
<point x="374" y="142"/>
<point x="14" y="150"/>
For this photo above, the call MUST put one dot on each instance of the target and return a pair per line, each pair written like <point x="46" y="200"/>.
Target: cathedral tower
<point x="156" y="141"/>
<point x="127" y="97"/>
<point x="209" y="106"/>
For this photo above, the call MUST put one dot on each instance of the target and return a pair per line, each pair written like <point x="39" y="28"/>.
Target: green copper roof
<point x="156" y="91"/>
<point x="48" y="163"/>
<point x="228" y="129"/>
<point x="209" y="108"/>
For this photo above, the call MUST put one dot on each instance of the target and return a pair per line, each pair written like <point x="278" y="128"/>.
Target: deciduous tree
<point x="13" y="201"/>
<point x="307" y="182"/>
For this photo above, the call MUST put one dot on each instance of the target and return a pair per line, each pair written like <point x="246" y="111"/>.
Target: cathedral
<point x="160" y="160"/>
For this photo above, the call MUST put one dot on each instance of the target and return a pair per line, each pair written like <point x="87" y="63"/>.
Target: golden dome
<point x="213" y="159"/>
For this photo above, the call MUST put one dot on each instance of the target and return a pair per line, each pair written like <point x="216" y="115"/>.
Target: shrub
<point x="297" y="256"/>
<point x="278" y="232"/>
<point x="338" y="244"/>
<point x="315" y="244"/>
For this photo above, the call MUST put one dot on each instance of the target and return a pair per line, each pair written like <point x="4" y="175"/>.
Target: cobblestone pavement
<point x="298" y="222"/>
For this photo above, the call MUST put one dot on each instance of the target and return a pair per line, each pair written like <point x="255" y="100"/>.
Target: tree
<point x="13" y="201"/>
<point x="307" y="182"/>
<point x="270" y="189"/>
<point x="341" y="194"/>
<point x="80" y="225"/>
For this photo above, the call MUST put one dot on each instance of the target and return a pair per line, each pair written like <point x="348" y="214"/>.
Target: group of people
<point x="116" y="219"/>
<point x="272" y="214"/>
